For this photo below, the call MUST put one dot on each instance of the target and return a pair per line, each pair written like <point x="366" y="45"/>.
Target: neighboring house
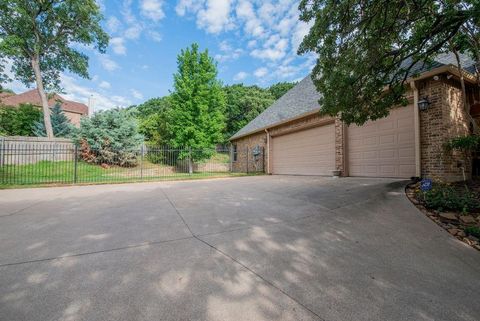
<point x="407" y="143"/>
<point x="73" y="110"/>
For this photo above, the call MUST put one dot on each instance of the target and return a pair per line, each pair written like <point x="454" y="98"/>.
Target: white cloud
<point x="260" y="72"/>
<point x="277" y="50"/>
<point x="118" y="45"/>
<point x="107" y="63"/>
<point x="215" y="17"/>
<point x="133" y="32"/>
<point x="113" y="24"/>
<point x="253" y="26"/>
<point x="13" y="84"/>
<point x="156" y="36"/>
<point x="152" y="9"/>
<point x="227" y="52"/>
<point x="136" y="94"/>
<point x="183" y="6"/>
<point x="76" y="92"/>
<point x="105" y="85"/>
<point x="300" y="31"/>
<point x="240" y="76"/>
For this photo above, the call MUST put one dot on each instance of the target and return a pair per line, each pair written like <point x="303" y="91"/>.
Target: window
<point x="234" y="151"/>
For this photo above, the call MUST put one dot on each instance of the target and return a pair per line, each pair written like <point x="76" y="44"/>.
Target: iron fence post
<point x="190" y="165"/>
<point x="141" y="162"/>
<point x="75" y="165"/>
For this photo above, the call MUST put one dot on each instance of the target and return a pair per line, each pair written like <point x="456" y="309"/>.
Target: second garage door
<point x="307" y="152"/>
<point x="383" y="148"/>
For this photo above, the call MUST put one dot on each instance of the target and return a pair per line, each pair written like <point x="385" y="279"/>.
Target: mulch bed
<point x="454" y="222"/>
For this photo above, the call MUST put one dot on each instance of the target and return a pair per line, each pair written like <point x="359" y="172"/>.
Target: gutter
<point x="416" y="123"/>
<point x="309" y="113"/>
<point x="268" y="151"/>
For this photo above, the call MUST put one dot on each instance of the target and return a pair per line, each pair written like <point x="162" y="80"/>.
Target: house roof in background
<point x="303" y="98"/>
<point x="32" y="97"/>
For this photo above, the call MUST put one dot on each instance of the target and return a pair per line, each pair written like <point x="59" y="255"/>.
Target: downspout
<point x="416" y="123"/>
<point x="268" y="151"/>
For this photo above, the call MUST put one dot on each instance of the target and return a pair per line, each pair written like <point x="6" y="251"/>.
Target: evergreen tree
<point x="196" y="118"/>
<point x="62" y="127"/>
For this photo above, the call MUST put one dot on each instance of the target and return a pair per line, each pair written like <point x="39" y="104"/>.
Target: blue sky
<point x="254" y="42"/>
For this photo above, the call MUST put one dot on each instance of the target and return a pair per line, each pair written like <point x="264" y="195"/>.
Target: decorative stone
<point x="461" y="234"/>
<point x="453" y="231"/>
<point x="449" y="216"/>
<point x="467" y="219"/>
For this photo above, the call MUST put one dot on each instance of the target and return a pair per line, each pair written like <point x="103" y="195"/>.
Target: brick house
<point x="73" y="110"/>
<point x="408" y="143"/>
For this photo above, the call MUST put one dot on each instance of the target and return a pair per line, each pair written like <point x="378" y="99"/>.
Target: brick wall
<point x="445" y="118"/>
<point x="245" y="146"/>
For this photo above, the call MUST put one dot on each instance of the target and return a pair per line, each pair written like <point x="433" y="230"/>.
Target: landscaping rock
<point x="453" y="231"/>
<point x="449" y="216"/>
<point x="467" y="219"/>
<point x="461" y="234"/>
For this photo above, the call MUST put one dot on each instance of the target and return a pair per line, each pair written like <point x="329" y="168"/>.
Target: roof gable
<point x="301" y="99"/>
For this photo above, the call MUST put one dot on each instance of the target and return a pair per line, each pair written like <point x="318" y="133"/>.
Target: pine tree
<point x="62" y="127"/>
<point x="196" y="118"/>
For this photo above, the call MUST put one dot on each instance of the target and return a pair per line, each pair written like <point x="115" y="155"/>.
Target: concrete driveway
<point x="251" y="248"/>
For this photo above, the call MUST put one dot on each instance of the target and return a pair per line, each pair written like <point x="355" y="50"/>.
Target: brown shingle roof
<point x="32" y="97"/>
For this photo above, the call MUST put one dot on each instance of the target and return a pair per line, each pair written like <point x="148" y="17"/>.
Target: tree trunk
<point x="476" y="129"/>
<point x="43" y="97"/>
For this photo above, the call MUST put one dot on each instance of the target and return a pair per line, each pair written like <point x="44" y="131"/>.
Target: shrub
<point x="473" y="230"/>
<point x="61" y="125"/>
<point x="18" y="121"/>
<point x="110" y="137"/>
<point x="445" y="197"/>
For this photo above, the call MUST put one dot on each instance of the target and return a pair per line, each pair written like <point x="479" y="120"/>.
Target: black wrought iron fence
<point x="69" y="164"/>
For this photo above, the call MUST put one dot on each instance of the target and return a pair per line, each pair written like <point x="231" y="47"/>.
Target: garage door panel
<point x="383" y="148"/>
<point x="307" y="152"/>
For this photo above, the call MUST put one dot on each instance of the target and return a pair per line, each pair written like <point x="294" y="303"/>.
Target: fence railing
<point x="70" y="164"/>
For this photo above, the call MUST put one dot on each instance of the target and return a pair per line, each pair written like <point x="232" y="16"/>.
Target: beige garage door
<point x="383" y="148"/>
<point x="307" y="152"/>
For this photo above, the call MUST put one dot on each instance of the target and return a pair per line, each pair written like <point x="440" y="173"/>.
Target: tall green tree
<point x="279" y="89"/>
<point x="61" y="125"/>
<point x="37" y="36"/>
<point x="365" y="47"/>
<point x="244" y="103"/>
<point x="196" y="118"/>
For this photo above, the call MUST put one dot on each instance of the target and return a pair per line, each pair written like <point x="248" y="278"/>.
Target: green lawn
<point x="63" y="172"/>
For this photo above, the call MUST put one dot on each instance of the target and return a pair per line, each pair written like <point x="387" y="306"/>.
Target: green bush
<point x="445" y="197"/>
<point x="110" y="137"/>
<point x="473" y="230"/>
<point x="19" y="121"/>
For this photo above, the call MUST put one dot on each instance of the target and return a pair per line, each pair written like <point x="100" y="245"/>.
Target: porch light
<point x="423" y="103"/>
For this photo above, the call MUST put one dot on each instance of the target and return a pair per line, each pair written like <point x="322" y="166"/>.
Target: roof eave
<point x="312" y="112"/>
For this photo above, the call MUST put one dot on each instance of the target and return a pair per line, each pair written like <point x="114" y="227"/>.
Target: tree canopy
<point x="152" y="116"/>
<point x="196" y="118"/>
<point x="367" y="47"/>
<point x="244" y="103"/>
<point x="37" y="37"/>
<point x="279" y="89"/>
